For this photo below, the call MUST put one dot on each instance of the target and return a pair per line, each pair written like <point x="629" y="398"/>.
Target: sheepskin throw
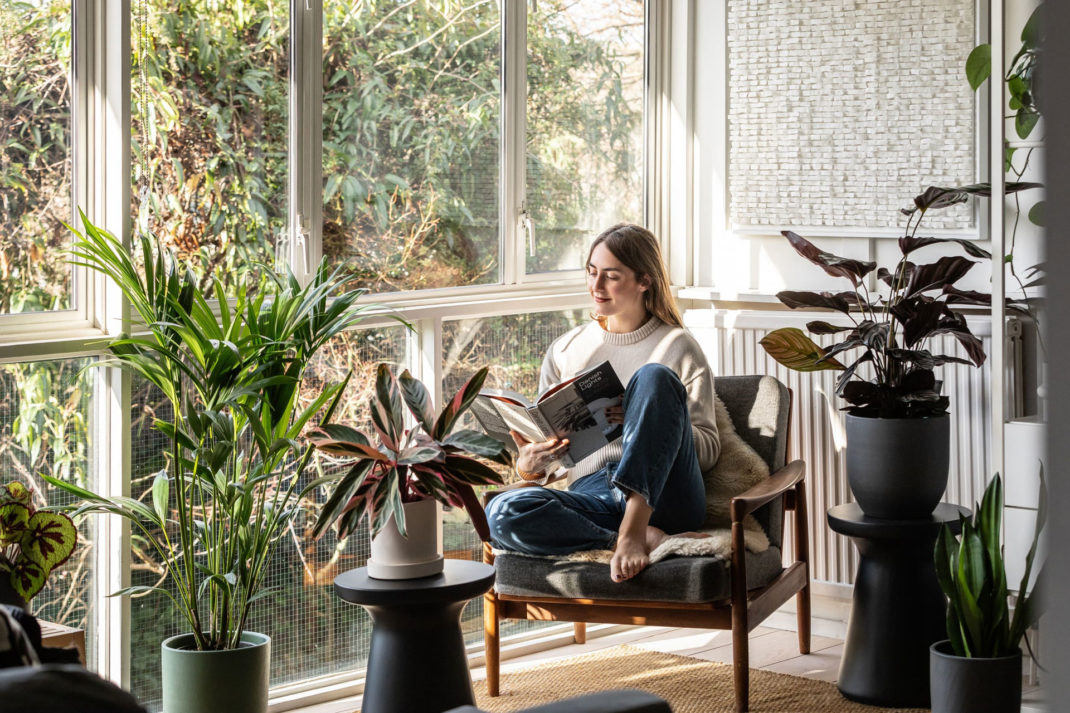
<point x="738" y="468"/>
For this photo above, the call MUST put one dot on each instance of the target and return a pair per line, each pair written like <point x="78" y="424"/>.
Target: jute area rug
<point x="689" y="685"/>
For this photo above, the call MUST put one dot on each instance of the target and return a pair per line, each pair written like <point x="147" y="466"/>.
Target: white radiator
<point x="730" y="340"/>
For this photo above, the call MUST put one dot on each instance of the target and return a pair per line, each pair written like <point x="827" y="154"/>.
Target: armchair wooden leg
<point x="802" y="554"/>
<point x="740" y="617"/>
<point x="491" y="642"/>
<point x="741" y="662"/>
<point x="802" y="612"/>
<point x="579" y="632"/>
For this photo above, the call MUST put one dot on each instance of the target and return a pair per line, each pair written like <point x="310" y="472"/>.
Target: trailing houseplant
<point x="427" y="462"/>
<point x="232" y="373"/>
<point x="889" y="331"/>
<point x="1021" y="83"/>
<point x="32" y="543"/>
<point x="981" y="627"/>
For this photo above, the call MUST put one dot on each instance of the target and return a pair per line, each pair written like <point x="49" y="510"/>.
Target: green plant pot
<point x="966" y="685"/>
<point x="235" y="680"/>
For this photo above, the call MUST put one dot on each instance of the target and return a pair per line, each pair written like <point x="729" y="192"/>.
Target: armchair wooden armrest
<point x="780" y="482"/>
<point x="488" y="494"/>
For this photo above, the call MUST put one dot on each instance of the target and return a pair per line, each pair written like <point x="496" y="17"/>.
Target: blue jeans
<point x="658" y="462"/>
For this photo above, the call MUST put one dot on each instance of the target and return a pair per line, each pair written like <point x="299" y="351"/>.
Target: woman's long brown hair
<point x="638" y="249"/>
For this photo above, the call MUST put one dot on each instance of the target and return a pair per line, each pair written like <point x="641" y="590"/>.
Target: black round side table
<point x="417" y="661"/>
<point x="898" y="608"/>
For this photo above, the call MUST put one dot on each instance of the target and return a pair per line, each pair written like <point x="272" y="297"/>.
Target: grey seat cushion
<point x="677" y="579"/>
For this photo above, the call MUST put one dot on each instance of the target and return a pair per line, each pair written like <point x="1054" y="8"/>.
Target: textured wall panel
<point x="841" y="111"/>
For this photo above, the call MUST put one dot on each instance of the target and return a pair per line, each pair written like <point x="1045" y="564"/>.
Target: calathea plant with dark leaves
<point x="892" y="323"/>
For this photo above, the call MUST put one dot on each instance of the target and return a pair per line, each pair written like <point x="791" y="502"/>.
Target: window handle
<point x="303" y="244"/>
<point x="528" y="226"/>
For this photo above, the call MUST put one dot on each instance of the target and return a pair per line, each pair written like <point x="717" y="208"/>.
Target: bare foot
<point x="630" y="557"/>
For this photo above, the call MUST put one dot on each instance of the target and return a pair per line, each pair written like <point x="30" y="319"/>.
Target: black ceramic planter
<point x="897" y="467"/>
<point x="967" y="685"/>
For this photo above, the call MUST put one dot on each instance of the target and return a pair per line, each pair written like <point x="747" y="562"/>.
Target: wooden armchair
<point x="703" y="592"/>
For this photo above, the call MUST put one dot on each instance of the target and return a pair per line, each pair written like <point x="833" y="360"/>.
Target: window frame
<point x="101" y="155"/>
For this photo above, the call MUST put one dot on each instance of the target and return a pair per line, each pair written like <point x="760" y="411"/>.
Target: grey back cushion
<point x="759" y="407"/>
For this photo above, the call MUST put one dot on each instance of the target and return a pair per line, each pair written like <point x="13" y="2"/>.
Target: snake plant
<point x="972" y="573"/>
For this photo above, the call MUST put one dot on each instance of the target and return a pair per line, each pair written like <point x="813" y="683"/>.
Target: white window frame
<point x="101" y="66"/>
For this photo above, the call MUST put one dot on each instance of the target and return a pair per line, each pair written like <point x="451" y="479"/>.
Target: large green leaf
<point x="161" y="490"/>
<point x="49" y="539"/>
<point x="14" y="519"/>
<point x="16" y="492"/>
<point x="1024" y="122"/>
<point x="790" y="347"/>
<point x="979" y="65"/>
<point x="28" y="577"/>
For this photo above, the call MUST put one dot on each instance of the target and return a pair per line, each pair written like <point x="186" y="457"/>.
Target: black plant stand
<point x="417" y="661"/>
<point x="898" y="609"/>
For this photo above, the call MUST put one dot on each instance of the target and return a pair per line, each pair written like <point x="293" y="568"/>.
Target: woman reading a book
<point x="636" y="491"/>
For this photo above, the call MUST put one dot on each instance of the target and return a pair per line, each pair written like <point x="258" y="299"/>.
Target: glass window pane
<point x="209" y="95"/>
<point x="513" y="347"/>
<point x="44" y="428"/>
<point x="410" y="142"/>
<point x="36" y="183"/>
<point x="312" y="631"/>
<point x="585" y="122"/>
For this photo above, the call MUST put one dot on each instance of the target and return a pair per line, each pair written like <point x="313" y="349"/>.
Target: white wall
<point x="737" y="263"/>
<point x="736" y="272"/>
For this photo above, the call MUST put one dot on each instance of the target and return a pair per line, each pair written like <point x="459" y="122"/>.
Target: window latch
<point x="303" y="244"/>
<point x="527" y="225"/>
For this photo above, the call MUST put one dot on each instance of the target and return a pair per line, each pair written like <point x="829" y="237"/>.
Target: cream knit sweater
<point x="654" y="342"/>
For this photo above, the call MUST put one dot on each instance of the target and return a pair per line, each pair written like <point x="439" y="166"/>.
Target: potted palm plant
<point x="897" y="421"/>
<point x="32" y="543"/>
<point x="979" y="667"/>
<point x="232" y="373"/>
<point x="396" y="478"/>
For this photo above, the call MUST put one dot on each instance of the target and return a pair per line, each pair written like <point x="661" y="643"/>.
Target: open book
<point x="573" y="409"/>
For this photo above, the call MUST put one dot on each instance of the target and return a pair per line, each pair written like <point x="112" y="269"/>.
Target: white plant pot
<point x="397" y="557"/>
